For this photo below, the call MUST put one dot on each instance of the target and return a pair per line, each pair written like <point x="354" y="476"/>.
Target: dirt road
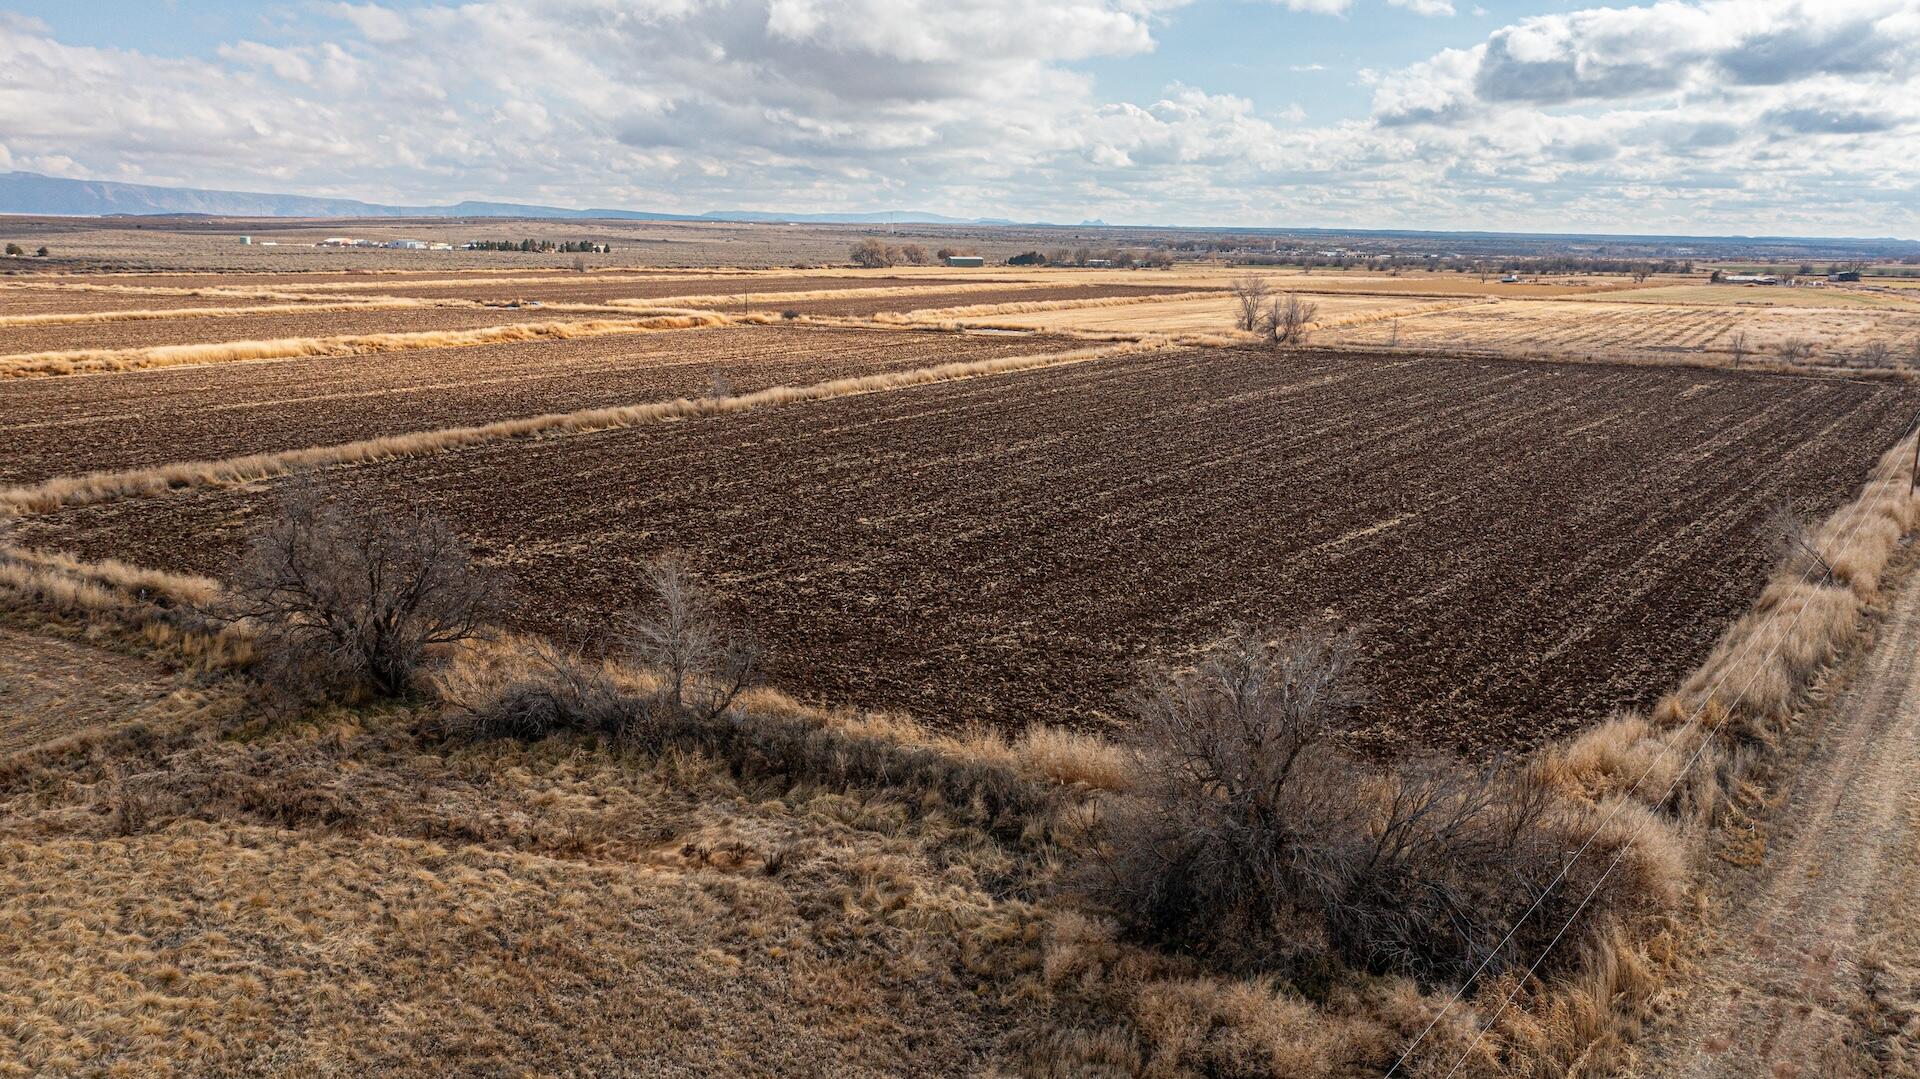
<point x="1817" y="971"/>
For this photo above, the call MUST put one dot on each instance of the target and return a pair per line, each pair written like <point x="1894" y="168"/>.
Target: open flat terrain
<point x="70" y="300"/>
<point x="18" y="340"/>
<point x="1527" y="545"/>
<point x="69" y="425"/>
<point x="1615" y="330"/>
<point x="610" y="287"/>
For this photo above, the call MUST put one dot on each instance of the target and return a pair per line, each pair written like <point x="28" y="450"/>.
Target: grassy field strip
<point x="1371" y="318"/>
<point x="95" y="361"/>
<point x="599" y="278"/>
<point x="101" y="486"/>
<point x="173" y="290"/>
<point x="830" y="294"/>
<point x="380" y="303"/>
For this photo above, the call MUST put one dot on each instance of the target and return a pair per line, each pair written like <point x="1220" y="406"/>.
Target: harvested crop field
<point x="68" y="425"/>
<point x="1527" y="546"/>
<point x="583" y="289"/>
<point x="867" y="306"/>
<point x="1586" y="329"/>
<point x="19" y="340"/>
<point x="64" y="301"/>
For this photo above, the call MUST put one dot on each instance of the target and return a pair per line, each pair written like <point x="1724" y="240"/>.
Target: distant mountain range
<point x="32" y="193"/>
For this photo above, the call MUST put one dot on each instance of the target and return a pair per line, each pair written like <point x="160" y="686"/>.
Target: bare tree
<point x="1875" y="354"/>
<point x="914" y="255"/>
<point x="579" y="264"/>
<point x="1796" y="350"/>
<point x="1257" y="844"/>
<point x="703" y="667"/>
<point x="872" y="254"/>
<point x="345" y="603"/>
<point x="1737" y="344"/>
<point x="1251" y="293"/>
<point x="1287" y="320"/>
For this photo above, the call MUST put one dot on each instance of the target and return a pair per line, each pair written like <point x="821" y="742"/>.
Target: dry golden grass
<point x="98" y="486"/>
<point x="1759" y="296"/>
<point x="97" y="361"/>
<point x="761" y="300"/>
<point x="148" y="314"/>
<point x="1573" y="329"/>
<point x="961" y="314"/>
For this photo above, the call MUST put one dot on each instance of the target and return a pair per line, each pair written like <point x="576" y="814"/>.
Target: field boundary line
<point x="65" y="491"/>
<point x="94" y="361"/>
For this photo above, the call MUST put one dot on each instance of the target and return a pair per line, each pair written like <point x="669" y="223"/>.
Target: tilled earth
<point x="1525" y="546"/>
<point x="67" y="301"/>
<point x="62" y="426"/>
<point x="212" y="329"/>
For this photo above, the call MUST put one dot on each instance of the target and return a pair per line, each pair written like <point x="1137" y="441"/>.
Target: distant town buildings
<point x="389" y="245"/>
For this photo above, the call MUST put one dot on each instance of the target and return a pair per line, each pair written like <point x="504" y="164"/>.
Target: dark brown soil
<point x="1526" y="546"/>
<point x="127" y="420"/>
<point x="220" y="328"/>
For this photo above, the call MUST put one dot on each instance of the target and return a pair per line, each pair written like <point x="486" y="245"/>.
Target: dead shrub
<point x="703" y="666"/>
<point x="1250" y="298"/>
<point x="697" y="666"/>
<point x="1287" y="320"/>
<point x="343" y="604"/>
<point x="1796" y="350"/>
<point x="561" y="693"/>
<point x="1259" y="846"/>
<point x="1795" y="545"/>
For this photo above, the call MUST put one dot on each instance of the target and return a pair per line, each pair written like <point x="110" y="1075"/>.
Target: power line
<point x="1699" y="711"/>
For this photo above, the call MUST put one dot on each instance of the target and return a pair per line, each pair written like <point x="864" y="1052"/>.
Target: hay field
<point x="1581" y="329"/>
<point x="1003" y="549"/>
<point x="1761" y="296"/>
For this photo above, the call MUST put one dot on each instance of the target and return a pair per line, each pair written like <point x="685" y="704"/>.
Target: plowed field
<point x="68" y="425"/>
<point x="1526" y="546"/>
<point x="53" y="301"/>
<point x="218" y="328"/>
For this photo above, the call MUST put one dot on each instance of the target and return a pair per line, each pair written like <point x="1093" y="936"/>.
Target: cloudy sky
<point x="1696" y="116"/>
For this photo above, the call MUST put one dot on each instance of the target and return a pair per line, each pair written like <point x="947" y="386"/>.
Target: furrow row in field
<point x="1006" y="549"/>
<point x="52" y="427"/>
<point x="91" y="487"/>
<point x="493" y="331"/>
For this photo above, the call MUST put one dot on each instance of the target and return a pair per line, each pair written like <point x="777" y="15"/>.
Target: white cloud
<point x="1425" y="7"/>
<point x="1689" y="116"/>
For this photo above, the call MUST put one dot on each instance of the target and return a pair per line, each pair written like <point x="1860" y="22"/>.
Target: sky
<point x="1752" y="117"/>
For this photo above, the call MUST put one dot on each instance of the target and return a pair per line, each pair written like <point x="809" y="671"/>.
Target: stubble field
<point x="1526" y="546"/>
